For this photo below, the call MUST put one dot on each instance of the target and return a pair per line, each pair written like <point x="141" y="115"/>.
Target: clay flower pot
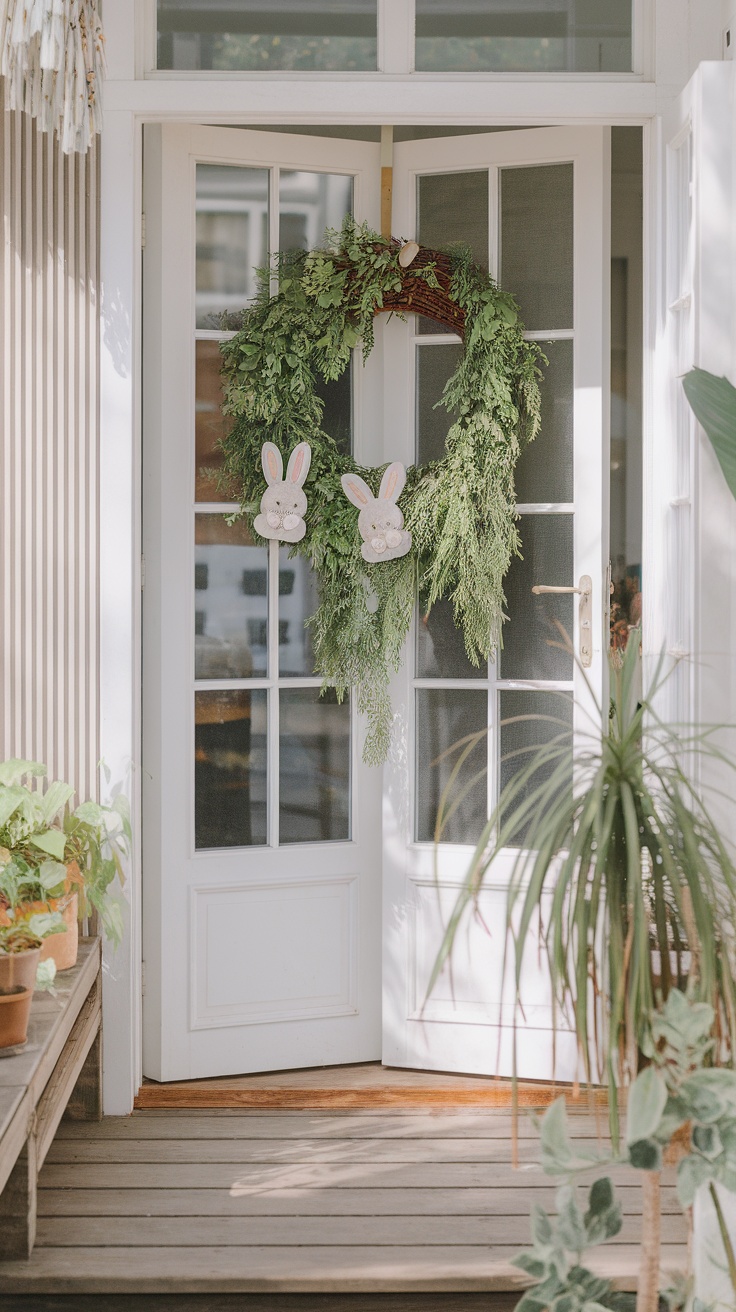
<point x="63" y="948"/>
<point x="15" y="1009"/>
<point x="18" y="969"/>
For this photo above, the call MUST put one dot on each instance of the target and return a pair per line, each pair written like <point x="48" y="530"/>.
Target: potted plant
<point x="21" y="972"/>
<point x="637" y="889"/>
<point x="55" y="859"/>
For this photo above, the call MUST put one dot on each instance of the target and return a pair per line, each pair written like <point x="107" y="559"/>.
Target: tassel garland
<point x="52" y="59"/>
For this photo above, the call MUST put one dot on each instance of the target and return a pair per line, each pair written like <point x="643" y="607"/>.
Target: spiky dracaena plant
<point x="634" y="888"/>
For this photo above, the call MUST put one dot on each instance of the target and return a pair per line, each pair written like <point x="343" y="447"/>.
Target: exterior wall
<point x="49" y="702"/>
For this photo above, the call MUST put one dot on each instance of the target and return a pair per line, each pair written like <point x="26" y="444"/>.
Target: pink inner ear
<point x="297" y="467"/>
<point x="393" y="476"/>
<point x="272" y="464"/>
<point x="358" y="492"/>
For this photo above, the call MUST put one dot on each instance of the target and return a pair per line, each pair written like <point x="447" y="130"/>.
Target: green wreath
<point x="461" y="510"/>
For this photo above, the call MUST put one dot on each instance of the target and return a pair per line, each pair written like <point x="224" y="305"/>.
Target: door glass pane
<point x="444" y="716"/>
<point x="453" y="208"/>
<point x="230" y="807"/>
<point x="537" y="243"/>
<point x="551" y="716"/>
<point x="210" y="424"/>
<point x="435" y="364"/>
<point x="298" y="600"/>
<point x="309" y="203"/>
<point x="545" y="469"/>
<point x="231" y="601"/>
<point x="262" y="35"/>
<point x="232" y="238"/>
<point x="545" y="36"/>
<point x="314" y="767"/>
<point x="440" y="646"/>
<point x="337" y="416"/>
<point x="547" y="548"/>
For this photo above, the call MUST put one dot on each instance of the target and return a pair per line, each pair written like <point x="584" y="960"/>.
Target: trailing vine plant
<point x="311" y="310"/>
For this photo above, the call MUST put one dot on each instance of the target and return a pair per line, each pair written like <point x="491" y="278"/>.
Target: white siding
<point x="48" y="454"/>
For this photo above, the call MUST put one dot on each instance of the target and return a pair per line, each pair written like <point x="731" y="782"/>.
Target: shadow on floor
<point x="258" y="1302"/>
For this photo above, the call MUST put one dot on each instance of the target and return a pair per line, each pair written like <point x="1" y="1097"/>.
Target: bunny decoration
<point x="284" y="503"/>
<point x="381" y="523"/>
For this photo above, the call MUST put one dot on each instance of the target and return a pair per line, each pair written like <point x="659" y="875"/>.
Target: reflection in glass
<point x="337" y="416"/>
<point x="537" y="243"/>
<point x="231" y="608"/>
<point x="545" y="468"/>
<point x="444" y="716"/>
<point x="209" y="424"/>
<point x="549" y="717"/>
<point x="230" y="792"/>
<point x="440" y="647"/>
<point x="466" y="36"/>
<point x="314" y="767"/>
<point x="435" y="365"/>
<point x="298" y="599"/>
<point x="232" y="238"/>
<point x="309" y="203"/>
<point x="531" y="640"/>
<point x="452" y="208"/>
<point x="263" y="35"/>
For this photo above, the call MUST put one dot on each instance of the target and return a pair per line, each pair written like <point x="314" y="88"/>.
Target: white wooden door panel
<point x="562" y="178"/>
<point x="262" y="900"/>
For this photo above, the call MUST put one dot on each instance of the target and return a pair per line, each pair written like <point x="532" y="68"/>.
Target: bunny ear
<point x="392" y="483"/>
<point x="299" y="462"/>
<point x="273" y="465"/>
<point x="357" y="490"/>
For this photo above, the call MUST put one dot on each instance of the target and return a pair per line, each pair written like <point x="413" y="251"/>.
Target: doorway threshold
<point x="368" y="1085"/>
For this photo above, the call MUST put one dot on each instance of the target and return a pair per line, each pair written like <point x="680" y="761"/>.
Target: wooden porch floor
<point x="302" y="1203"/>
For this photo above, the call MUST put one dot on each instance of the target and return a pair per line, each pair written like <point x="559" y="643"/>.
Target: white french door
<point x="262" y="825"/>
<point x="265" y="837"/>
<point x="534" y="208"/>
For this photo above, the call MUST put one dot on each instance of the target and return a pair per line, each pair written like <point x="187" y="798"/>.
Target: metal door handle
<point x="585" y="593"/>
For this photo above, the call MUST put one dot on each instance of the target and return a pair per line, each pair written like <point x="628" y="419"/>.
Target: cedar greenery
<point x="459" y="510"/>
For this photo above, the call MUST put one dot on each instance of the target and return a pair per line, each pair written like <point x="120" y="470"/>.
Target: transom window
<point x="463" y="36"/>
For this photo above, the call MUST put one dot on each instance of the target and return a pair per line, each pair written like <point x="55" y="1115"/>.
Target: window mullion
<point x="396" y="36"/>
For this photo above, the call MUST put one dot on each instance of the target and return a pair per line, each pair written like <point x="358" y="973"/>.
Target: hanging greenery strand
<point x="460" y="510"/>
<point x="52" y="59"/>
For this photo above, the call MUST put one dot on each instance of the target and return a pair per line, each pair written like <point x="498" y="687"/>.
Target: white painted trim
<point x="120" y="356"/>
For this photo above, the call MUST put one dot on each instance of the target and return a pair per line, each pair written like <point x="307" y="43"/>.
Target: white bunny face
<point x="381" y="523"/>
<point x="284" y="503"/>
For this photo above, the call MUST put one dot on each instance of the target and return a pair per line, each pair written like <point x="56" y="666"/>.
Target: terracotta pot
<point x="63" y="948"/>
<point x="18" y="969"/>
<point x="15" y="1009"/>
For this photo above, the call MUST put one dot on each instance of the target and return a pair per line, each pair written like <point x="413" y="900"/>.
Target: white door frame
<point x="130" y="101"/>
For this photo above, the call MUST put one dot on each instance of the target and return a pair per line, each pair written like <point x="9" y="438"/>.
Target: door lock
<point x="585" y="593"/>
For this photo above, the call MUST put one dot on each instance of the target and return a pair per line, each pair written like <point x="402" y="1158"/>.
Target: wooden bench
<point x="59" y="1071"/>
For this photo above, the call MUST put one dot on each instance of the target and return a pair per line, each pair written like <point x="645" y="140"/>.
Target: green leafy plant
<point x="561" y="1282"/>
<point x="713" y="401"/>
<point x="48" y="850"/>
<point x="460" y="510"/>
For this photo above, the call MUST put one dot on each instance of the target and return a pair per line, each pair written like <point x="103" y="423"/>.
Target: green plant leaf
<point x="45" y="923"/>
<point x="11" y="797"/>
<point x="713" y="401"/>
<point x="12" y="771"/>
<point x="51" y="875"/>
<point x="646" y="1104"/>
<point x="52" y="841"/>
<point x="645" y="1155"/>
<point x="570" y="1225"/>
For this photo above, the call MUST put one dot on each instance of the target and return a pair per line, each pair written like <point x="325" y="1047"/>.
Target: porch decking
<point x="302" y="1202"/>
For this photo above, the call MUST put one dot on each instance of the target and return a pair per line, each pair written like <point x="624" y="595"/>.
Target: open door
<point x="534" y="207"/>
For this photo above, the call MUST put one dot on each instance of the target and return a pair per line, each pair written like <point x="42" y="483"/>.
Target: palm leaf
<point x="713" y="401"/>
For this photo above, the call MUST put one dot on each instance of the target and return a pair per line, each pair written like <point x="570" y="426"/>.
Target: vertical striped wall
<point x="48" y="454"/>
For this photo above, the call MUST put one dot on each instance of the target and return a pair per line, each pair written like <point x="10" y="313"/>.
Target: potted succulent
<point x="21" y="972"/>
<point x="625" y="864"/>
<point x="57" y="860"/>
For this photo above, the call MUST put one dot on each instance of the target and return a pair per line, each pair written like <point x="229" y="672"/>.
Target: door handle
<point x="585" y="593"/>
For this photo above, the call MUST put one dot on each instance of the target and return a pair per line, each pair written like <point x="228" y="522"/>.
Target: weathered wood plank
<point x="314" y="1175"/>
<point x="389" y="1096"/>
<point x="51" y="1024"/>
<point x="292" y="1152"/>
<point x="317" y="1202"/>
<point x="85" y="1103"/>
<point x="214" y="1302"/>
<point x="56" y="1095"/>
<point x="315" y="1232"/>
<point x="295" y="1270"/>
<point x="18" y="1205"/>
<point x="287" y="1125"/>
<point x="15" y="1129"/>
